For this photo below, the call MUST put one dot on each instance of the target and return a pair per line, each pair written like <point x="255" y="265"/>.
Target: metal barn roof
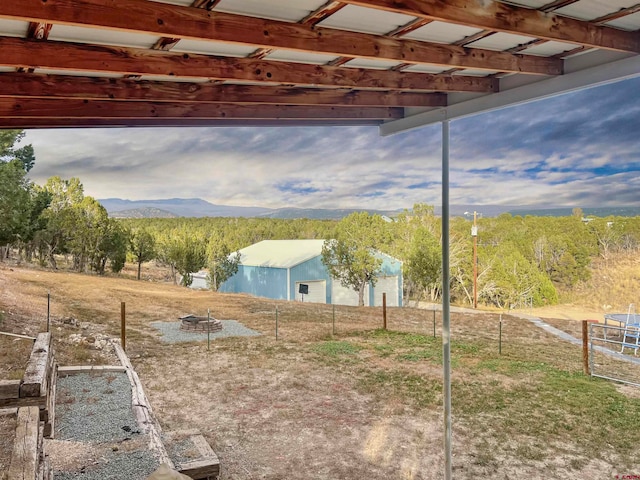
<point x="280" y="253"/>
<point x="395" y="64"/>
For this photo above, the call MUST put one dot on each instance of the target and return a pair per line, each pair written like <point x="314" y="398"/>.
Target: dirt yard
<point x="360" y="403"/>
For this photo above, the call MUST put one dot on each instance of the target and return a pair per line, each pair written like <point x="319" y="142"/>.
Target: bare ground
<point x="284" y="409"/>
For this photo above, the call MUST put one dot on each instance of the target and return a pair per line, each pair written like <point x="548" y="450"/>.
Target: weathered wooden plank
<point x="75" y="369"/>
<point x="503" y="17"/>
<point x="71" y="108"/>
<point x="62" y="122"/>
<point x="9" y="389"/>
<point x="49" y="426"/>
<point x="203" y="446"/>
<point x="201" y="469"/>
<point x="17" y="52"/>
<point x="34" y="379"/>
<point x="8" y="411"/>
<point x="177" y="21"/>
<point x="24" y="459"/>
<point x="67" y="86"/>
<point x="142" y="409"/>
<point x="40" y="401"/>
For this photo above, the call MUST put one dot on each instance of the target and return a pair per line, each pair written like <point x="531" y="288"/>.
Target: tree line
<point x="520" y="260"/>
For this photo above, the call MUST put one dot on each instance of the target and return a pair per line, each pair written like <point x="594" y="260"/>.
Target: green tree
<point x="8" y="150"/>
<point x="221" y="262"/>
<point x="142" y="246"/>
<point x="15" y="202"/>
<point x="350" y="257"/>
<point x="185" y="252"/>
<point x="61" y="216"/>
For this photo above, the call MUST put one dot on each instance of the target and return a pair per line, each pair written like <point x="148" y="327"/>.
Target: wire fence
<point x="613" y="354"/>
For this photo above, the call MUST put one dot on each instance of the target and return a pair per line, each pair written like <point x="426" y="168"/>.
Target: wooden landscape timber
<point x="76" y="369"/>
<point x="205" y="463"/>
<point x="34" y="382"/>
<point x="37" y="388"/>
<point x="29" y="460"/>
<point x="206" y="466"/>
<point x="142" y="409"/>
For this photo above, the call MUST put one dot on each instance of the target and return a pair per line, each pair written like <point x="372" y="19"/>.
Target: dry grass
<point x="360" y="403"/>
<point x="7" y="434"/>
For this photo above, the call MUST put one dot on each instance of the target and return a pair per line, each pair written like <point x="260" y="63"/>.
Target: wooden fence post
<point x="123" y="332"/>
<point x="384" y="311"/>
<point x="585" y="347"/>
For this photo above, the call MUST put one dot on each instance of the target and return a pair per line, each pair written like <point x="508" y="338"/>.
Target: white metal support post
<point x="446" y="310"/>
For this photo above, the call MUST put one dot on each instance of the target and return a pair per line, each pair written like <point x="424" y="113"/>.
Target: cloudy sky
<point x="577" y="150"/>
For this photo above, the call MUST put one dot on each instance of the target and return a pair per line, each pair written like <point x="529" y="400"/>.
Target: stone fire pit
<point x="199" y="324"/>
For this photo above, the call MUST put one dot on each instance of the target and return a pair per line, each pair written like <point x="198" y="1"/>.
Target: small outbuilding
<point x="293" y="270"/>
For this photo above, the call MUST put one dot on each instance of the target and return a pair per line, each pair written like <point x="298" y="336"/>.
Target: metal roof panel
<point x="13" y="28"/>
<point x="371" y="63"/>
<point x="592" y="9"/>
<point x="300" y="57"/>
<point x="547" y="49"/>
<point x="280" y="253"/>
<point x="213" y="48"/>
<point x="501" y="41"/>
<point x="70" y="33"/>
<point x="274" y="9"/>
<point x="366" y="20"/>
<point x="628" y="22"/>
<point x="440" y="32"/>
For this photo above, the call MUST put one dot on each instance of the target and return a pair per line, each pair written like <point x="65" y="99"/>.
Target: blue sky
<point x="576" y="150"/>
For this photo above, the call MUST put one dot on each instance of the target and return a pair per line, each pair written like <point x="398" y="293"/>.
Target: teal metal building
<point x="293" y="270"/>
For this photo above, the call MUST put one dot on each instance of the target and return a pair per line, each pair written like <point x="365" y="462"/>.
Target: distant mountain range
<point x="196" y="207"/>
<point x="143" y="212"/>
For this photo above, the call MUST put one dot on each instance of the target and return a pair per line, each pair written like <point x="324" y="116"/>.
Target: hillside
<point x="197" y="207"/>
<point x="143" y="212"/>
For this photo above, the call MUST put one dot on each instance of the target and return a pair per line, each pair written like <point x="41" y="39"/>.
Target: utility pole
<point x="474" y="234"/>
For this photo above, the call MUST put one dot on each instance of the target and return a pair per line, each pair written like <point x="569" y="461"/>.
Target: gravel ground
<point x="96" y="410"/>
<point x="136" y="465"/>
<point x="171" y="332"/>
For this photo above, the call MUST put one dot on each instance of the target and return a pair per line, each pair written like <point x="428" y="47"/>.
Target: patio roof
<point x="398" y="64"/>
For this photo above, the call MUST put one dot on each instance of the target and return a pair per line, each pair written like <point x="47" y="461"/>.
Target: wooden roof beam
<point x="503" y="17"/>
<point x="185" y="22"/>
<point x="32" y="123"/>
<point x="72" y="87"/>
<point x="18" y="52"/>
<point x="57" y="108"/>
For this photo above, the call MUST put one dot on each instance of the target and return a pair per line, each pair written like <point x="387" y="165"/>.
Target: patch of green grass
<point x="383" y="350"/>
<point x="552" y="406"/>
<point x="418" y="355"/>
<point x="423" y="392"/>
<point x="334" y="348"/>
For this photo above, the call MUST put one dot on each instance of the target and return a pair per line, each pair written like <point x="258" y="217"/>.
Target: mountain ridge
<point x="197" y="207"/>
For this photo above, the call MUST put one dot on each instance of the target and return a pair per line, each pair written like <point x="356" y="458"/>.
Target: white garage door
<point x="346" y="296"/>
<point x="317" y="292"/>
<point x="388" y="285"/>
